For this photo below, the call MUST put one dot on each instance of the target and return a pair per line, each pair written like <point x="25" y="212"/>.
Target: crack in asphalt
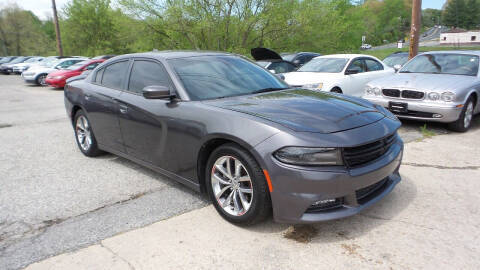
<point x="441" y="167"/>
<point x="117" y="255"/>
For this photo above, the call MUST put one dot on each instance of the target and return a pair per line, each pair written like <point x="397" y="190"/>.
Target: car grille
<point x="363" y="193"/>
<point x="409" y="94"/>
<point x="356" y="156"/>
<point x="391" y="92"/>
<point x="412" y="94"/>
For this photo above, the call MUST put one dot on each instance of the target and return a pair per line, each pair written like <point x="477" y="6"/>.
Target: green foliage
<point x="462" y="14"/>
<point x="431" y="17"/>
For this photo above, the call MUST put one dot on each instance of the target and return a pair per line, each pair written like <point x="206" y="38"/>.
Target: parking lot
<point x="54" y="200"/>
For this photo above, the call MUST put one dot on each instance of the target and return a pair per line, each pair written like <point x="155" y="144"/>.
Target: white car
<point x="366" y="46"/>
<point x="38" y="74"/>
<point x="20" y="67"/>
<point x="341" y="73"/>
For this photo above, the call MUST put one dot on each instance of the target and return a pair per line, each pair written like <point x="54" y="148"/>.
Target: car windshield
<point x="31" y="60"/>
<point x="18" y="60"/>
<point x="393" y="60"/>
<point x="211" y="77"/>
<point x="47" y="62"/>
<point x="263" y="63"/>
<point x="443" y="63"/>
<point x="288" y="57"/>
<point x="331" y="65"/>
<point x="78" y="65"/>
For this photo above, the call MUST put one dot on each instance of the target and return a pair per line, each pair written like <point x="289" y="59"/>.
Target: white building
<point x="460" y="37"/>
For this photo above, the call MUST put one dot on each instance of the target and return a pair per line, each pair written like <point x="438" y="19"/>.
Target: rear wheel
<point x="465" y="120"/>
<point x="84" y="135"/>
<point x="236" y="185"/>
<point x="41" y="79"/>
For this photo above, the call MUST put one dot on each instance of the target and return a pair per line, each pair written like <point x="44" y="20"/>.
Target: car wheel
<point x="336" y="90"/>
<point x="465" y="120"/>
<point x="41" y="79"/>
<point x="84" y="135"/>
<point x="237" y="186"/>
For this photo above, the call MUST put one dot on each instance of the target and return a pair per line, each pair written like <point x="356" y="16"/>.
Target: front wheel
<point x="41" y="79"/>
<point x="465" y="120"/>
<point x="84" y="135"/>
<point x="237" y="186"/>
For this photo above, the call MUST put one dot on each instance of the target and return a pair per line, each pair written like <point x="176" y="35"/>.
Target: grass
<point x="427" y="133"/>
<point x="382" y="53"/>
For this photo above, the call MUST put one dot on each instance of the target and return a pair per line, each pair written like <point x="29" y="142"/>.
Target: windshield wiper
<point x="268" y="89"/>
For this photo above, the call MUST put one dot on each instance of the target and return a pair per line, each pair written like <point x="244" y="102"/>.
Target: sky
<point x="43" y="8"/>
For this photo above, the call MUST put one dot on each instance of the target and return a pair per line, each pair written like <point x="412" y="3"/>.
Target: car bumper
<point x="295" y="189"/>
<point x="6" y="70"/>
<point x="55" y="83"/>
<point x="29" y="78"/>
<point x="421" y="110"/>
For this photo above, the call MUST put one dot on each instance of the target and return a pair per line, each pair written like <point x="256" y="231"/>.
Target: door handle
<point x="123" y="109"/>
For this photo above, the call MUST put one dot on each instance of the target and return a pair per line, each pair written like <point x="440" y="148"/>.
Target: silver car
<point x="435" y="86"/>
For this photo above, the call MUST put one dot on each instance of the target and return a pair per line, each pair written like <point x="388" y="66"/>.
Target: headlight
<point x="433" y="96"/>
<point x="58" y="77"/>
<point x="448" y="96"/>
<point x="317" y="86"/>
<point x="309" y="156"/>
<point x="372" y="91"/>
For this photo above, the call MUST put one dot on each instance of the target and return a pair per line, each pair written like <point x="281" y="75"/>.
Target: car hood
<point x="425" y="82"/>
<point x="305" y="110"/>
<point x="41" y="69"/>
<point x="260" y="54"/>
<point x="302" y="78"/>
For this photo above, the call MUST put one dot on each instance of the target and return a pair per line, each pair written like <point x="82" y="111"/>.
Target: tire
<point x="82" y="128"/>
<point x="40" y="80"/>
<point x="336" y="90"/>
<point x="464" y="121"/>
<point x="243" y="208"/>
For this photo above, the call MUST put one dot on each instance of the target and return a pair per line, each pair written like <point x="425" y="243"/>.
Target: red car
<point x="58" y="78"/>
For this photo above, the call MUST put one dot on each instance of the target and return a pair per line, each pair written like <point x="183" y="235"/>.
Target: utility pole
<point x="415" y="27"/>
<point x="57" y="29"/>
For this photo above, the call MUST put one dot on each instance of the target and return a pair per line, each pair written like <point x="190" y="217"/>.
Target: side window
<point x="281" y="67"/>
<point x="91" y="66"/>
<point x="302" y="59"/>
<point x="146" y="73"/>
<point x="114" y="74"/>
<point x="358" y="65"/>
<point x="98" y="76"/>
<point x="373" y="65"/>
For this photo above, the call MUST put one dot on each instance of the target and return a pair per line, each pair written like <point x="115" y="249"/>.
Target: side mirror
<point x="156" y="92"/>
<point x="397" y="67"/>
<point x="351" y="71"/>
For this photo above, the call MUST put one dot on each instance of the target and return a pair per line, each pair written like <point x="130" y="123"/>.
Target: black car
<point x="221" y="124"/>
<point x="272" y="61"/>
<point x="299" y="59"/>
<point x="7" y="68"/>
<point x="7" y="59"/>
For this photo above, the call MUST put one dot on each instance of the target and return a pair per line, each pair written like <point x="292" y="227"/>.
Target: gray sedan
<point x="434" y="86"/>
<point x="221" y="124"/>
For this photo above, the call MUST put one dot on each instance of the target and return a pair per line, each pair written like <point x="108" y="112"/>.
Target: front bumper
<point x="6" y="70"/>
<point x="422" y="110"/>
<point x="29" y="78"/>
<point x="55" y="83"/>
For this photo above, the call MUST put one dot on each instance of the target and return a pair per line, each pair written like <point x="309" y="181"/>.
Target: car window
<point x="301" y="59"/>
<point x="147" y="73"/>
<point x="281" y="67"/>
<point x="393" y="60"/>
<point x="373" y="65"/>
<point x="443" y="63"/>
<point x="358" y="65"/>
<point x="330" y="65"/>
<point x="92" y="66"/>
<point x="98" y="76"/>
<point x="113" y="75"/>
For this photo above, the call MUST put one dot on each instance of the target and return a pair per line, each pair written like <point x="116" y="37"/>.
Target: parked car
<point x="365" y="47"/>
<point x="299" y="59"/>
<point x="7" y="59"/>
<point x="39" y="74"/>
<point x="341" y="73"/>
<point x="20" y="67"/>
<point x="58" y="78"/>
<point x="272" y="61"/>
<point x="434" y="86"/>
<point x="217" y="122"/>
<point x="7" y="68"/>
<point x="396" y="60"/>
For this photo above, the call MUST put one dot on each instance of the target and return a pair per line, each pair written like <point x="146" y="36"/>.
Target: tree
<point x="455" y="14"/>
<point x="472" y="18"/>
<point x="431" y="17"/>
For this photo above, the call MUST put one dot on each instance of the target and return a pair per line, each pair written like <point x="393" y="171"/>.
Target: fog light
<point x="327" y="201"/>
<point x="437" y="115"/>
<point x="325" y="205"/>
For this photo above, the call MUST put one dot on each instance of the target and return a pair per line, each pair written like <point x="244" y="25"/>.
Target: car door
<point x="102" y="104"/>
<point x="143" y="122"/>
<point x="375" y="69"/>
<point x="355" y="83"/>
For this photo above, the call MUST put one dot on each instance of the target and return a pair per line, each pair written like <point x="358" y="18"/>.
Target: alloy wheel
<point x="468" y="115"/>
<point x="232" y="185"/>
<point x="84" y="135"/>
<point x="42" y="80"/>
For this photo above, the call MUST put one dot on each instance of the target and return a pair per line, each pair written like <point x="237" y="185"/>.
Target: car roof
<point x="345" y="56"/>
<point x="172" y="54"/>
<point x="454" y="52"/>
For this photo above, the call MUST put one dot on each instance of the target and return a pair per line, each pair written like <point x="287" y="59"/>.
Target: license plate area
<point x="398" y="107"/>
